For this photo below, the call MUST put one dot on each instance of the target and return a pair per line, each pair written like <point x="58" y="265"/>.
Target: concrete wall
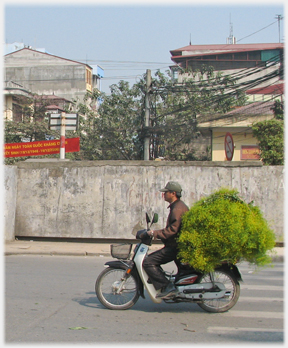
<point x="108" y="199"/>
<point x="10" y="186"/>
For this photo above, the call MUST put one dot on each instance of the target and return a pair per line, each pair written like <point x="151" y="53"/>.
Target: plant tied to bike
<point x="222" y="227"/>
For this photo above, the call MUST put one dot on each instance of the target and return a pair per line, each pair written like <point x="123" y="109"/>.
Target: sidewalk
<point x="23" y="247"/>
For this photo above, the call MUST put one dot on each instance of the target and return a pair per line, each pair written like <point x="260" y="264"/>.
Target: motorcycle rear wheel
<point x="107" y="285"/>
<point x="232" y="292"/>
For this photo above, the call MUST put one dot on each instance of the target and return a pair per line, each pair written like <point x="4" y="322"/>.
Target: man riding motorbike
<point x="152" y="263"/>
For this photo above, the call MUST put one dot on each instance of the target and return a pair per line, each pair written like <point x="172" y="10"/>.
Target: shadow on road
<point x="144" y="305"/>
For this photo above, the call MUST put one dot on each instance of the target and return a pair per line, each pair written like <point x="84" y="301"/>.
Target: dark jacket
<point x="169" y="234"/>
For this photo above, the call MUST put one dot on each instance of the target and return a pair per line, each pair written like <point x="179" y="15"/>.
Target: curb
<point x="56" y="253"/>
<point x="276" y="258"/>
<point x="83" y="250"/>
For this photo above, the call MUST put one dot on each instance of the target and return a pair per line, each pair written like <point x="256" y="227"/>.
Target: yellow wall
<point x="89" y="79"/>
<point x="239" y="139"/>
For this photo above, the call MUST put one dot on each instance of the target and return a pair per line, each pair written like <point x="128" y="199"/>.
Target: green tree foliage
<point x="117" y="131"/>
<point x="270" y="136"/>
<point x="278" y="110"/>
<point x="222" y="227"/>
<point x="120" y="119"/>
<point x="111" y="131"/>
<point x="174" y="107"/>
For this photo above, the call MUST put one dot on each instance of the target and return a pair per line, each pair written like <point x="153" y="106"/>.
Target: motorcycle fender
<point x="118" y="264"/>
<point x="124" y="265"/>
<point x="233" y="269"/>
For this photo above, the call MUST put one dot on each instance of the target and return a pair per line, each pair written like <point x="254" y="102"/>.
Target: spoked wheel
<point x="232" y="292"/>
<point x="114" y="292"/>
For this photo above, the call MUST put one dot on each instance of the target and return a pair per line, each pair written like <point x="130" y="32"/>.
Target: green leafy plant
<point x="270" y="136"/>
<point x="222" y="227"/>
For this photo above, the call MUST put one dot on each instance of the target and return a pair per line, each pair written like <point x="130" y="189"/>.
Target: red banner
<point x="40" y="148"/>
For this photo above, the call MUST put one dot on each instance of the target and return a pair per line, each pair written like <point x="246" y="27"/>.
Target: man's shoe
<point x="167" y="292"/>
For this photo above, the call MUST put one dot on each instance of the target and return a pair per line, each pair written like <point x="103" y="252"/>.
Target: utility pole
<point x="147" y="116"/>
<point x="62" y="137"/>
<point x="279" y="17"/>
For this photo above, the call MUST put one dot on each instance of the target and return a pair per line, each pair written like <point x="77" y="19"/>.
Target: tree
<point x="278" y="110"/>
<point x="117" y="130"/>
<point x="270" y="136"/>
<point x="120" y="119"/>
<point x="111" y="131"/>
<point x="175" y="106"/>
<point x="31" y="126"/>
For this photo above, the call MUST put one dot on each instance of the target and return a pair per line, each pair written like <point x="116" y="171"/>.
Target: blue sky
<point x="126" y="38"/>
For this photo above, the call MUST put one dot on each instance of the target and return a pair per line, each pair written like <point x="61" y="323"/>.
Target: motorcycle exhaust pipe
<point x="198" y="291"/>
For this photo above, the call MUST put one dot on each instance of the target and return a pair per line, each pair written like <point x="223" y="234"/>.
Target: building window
<point x="240" y="56"/>
<point x="227" y="56"/>
<point x="88" y="80"/>
<point x="88" y="77"/>
<point x="212" y="57"/>
<point x="255" y="55"/>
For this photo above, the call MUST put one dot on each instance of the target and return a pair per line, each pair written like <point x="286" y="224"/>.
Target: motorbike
<point x="120" y="285"/>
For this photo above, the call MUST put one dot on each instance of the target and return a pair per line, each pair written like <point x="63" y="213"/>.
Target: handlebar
<point x="144" y="237"/>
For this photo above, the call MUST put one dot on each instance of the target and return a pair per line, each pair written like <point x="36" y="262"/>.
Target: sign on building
<point x="250" y="152"/>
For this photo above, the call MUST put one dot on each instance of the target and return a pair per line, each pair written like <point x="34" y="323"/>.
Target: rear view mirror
<point x="155" y="219"/>
<point x="147" y="218"/>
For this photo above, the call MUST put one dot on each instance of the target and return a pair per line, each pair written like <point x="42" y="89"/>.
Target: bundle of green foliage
<point x="222" y="227"/>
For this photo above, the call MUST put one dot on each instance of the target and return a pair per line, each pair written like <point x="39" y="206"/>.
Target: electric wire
<point x="244" y="85"/>
<point x="159" y="63"/>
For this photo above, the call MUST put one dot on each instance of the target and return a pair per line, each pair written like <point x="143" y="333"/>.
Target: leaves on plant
<point x="222" y="227"/>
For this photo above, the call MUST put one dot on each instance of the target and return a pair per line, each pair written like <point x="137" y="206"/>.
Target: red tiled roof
<point x="275" y="89"/>
<point x="53" y="107"/>
<point x="200" y="50"/>
<point x="242" y="113"/>
<point x="257" y="108"/>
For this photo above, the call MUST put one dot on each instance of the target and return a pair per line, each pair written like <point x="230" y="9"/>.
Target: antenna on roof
<point x="231" y="40"/>
<point x="279" y="17"/>
<point x="190" y="40"/>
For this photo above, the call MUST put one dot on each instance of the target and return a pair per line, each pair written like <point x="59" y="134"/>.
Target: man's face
<point x="170" y="196"/>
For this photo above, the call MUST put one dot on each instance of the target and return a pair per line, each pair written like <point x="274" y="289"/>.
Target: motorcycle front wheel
<point x="232" y="292"/>
<point x="114" y="292"/>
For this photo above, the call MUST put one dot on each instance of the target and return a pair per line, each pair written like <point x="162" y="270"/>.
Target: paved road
<point x="51" y="299"/>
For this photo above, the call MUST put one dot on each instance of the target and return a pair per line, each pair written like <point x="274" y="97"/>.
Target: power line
<point x="257" y="31"/>
<point x="279" y="17"/>
<point x="122" y="61"/>
<point x="215" y="98"/>
<point x="243" y="74"/>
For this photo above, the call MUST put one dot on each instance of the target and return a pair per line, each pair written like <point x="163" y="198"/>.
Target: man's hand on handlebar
<point x="144" y="234"/>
